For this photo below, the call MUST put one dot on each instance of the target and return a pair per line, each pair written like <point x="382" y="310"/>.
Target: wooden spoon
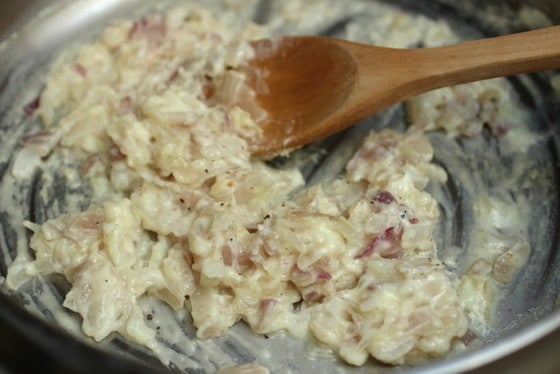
<point x="314" y="86"/>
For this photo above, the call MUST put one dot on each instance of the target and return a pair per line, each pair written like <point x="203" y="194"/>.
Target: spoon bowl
<point x="313" y="86"/>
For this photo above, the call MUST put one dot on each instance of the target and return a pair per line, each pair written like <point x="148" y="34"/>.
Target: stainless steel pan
<point x="525" y="334"/>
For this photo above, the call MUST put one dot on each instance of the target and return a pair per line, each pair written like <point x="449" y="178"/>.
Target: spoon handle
<point x="525" y="52"/>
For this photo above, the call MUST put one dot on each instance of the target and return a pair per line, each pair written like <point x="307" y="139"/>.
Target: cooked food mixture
<point x="181" y="211"/>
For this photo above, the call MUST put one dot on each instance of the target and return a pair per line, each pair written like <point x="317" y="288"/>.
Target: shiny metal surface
<point x="528" y="334"/>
